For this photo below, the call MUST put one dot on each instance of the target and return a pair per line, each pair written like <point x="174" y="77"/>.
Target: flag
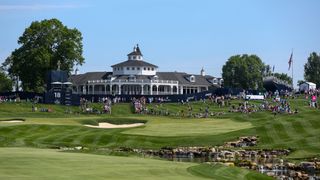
<point x="290" y="61"/>
<point x="273" y="68"/>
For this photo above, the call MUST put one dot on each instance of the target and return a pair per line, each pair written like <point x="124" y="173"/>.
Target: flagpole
<point x="292" y="69"/>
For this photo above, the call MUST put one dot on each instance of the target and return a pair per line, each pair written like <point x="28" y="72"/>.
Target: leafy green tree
<point x="283" y="77"/>
<point x="243" y="71"/>
<point x="43" y="45"/>
<point x="312" y="69"/>
<point x="5" y="82"/>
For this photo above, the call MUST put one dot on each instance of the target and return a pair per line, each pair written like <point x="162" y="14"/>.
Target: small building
<point x="135" y="76"/>
<point x="306" y="86"/>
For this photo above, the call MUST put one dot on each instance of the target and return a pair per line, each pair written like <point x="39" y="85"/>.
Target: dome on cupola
<point x="135" y="54"/>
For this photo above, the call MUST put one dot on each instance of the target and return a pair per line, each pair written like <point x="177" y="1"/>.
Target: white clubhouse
<point x="138" y="77"/>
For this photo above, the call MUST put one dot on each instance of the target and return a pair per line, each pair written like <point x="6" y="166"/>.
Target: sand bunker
<point x="110" y="126"/>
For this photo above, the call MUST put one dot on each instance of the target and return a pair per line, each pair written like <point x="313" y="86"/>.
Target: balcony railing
<point x="132" y="81"/>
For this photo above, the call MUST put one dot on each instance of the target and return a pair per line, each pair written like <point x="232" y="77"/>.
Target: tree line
<point x="45" y="43"/>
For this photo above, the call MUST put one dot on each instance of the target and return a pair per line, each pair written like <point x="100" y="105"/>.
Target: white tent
<point x="67" y="83"/>
<point x="306" y="86"/>
<point x="56" y="82"/>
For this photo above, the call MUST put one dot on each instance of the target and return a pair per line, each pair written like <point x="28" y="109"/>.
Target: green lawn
<point x="165" y="127"/>
<point x="28" y="163"/>
<point x="298" y="132"/>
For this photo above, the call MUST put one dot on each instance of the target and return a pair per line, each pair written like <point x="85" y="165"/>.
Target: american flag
<point x="290" y="61"/>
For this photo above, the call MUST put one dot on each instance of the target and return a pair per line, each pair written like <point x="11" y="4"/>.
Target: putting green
<point x="164" y="127"/>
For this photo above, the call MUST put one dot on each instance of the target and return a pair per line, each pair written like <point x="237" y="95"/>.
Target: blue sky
<point x="176" y="35"/>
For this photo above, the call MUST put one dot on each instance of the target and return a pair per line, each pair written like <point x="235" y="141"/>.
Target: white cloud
<point x="38" y="7"/>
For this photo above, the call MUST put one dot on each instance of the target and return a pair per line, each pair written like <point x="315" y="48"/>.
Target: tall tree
<point x="5" y="82"/>
<point x="312" y="69"/>
<point x="43" y="45"/>
<point x="243" y="71"/>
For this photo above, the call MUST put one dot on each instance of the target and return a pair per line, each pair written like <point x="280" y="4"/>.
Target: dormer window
<point x="134" y="57"/>
<point x="155" y="77"/>
<point x="132" y="68"/>
<point x="192" y="78"/>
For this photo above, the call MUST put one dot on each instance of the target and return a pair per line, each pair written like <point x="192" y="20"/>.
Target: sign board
<point x="254" y="97"/>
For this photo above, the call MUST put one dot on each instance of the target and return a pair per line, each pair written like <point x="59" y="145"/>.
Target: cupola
<point x="135" y="54"/>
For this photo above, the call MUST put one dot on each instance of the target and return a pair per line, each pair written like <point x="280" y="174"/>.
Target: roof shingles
<point x="181" y="77"/>
<point x="134" y="63"/>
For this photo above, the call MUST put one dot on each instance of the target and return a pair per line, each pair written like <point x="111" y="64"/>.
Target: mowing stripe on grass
<point x="264" y="134"/>
<point x="298" y="127"/>
<point x="281" y="131"/>
<point x="273" y="133"/>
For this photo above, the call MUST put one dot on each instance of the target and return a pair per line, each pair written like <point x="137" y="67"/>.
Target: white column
<point x="105" y="89"/>
<point x="157" y="89"/>
<point x="119" y="89"/>
<point x="171" y="89"/>
<point x="92" y="89"/>
<point x="151" y="89"/>
<point x="142" y="89"/>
